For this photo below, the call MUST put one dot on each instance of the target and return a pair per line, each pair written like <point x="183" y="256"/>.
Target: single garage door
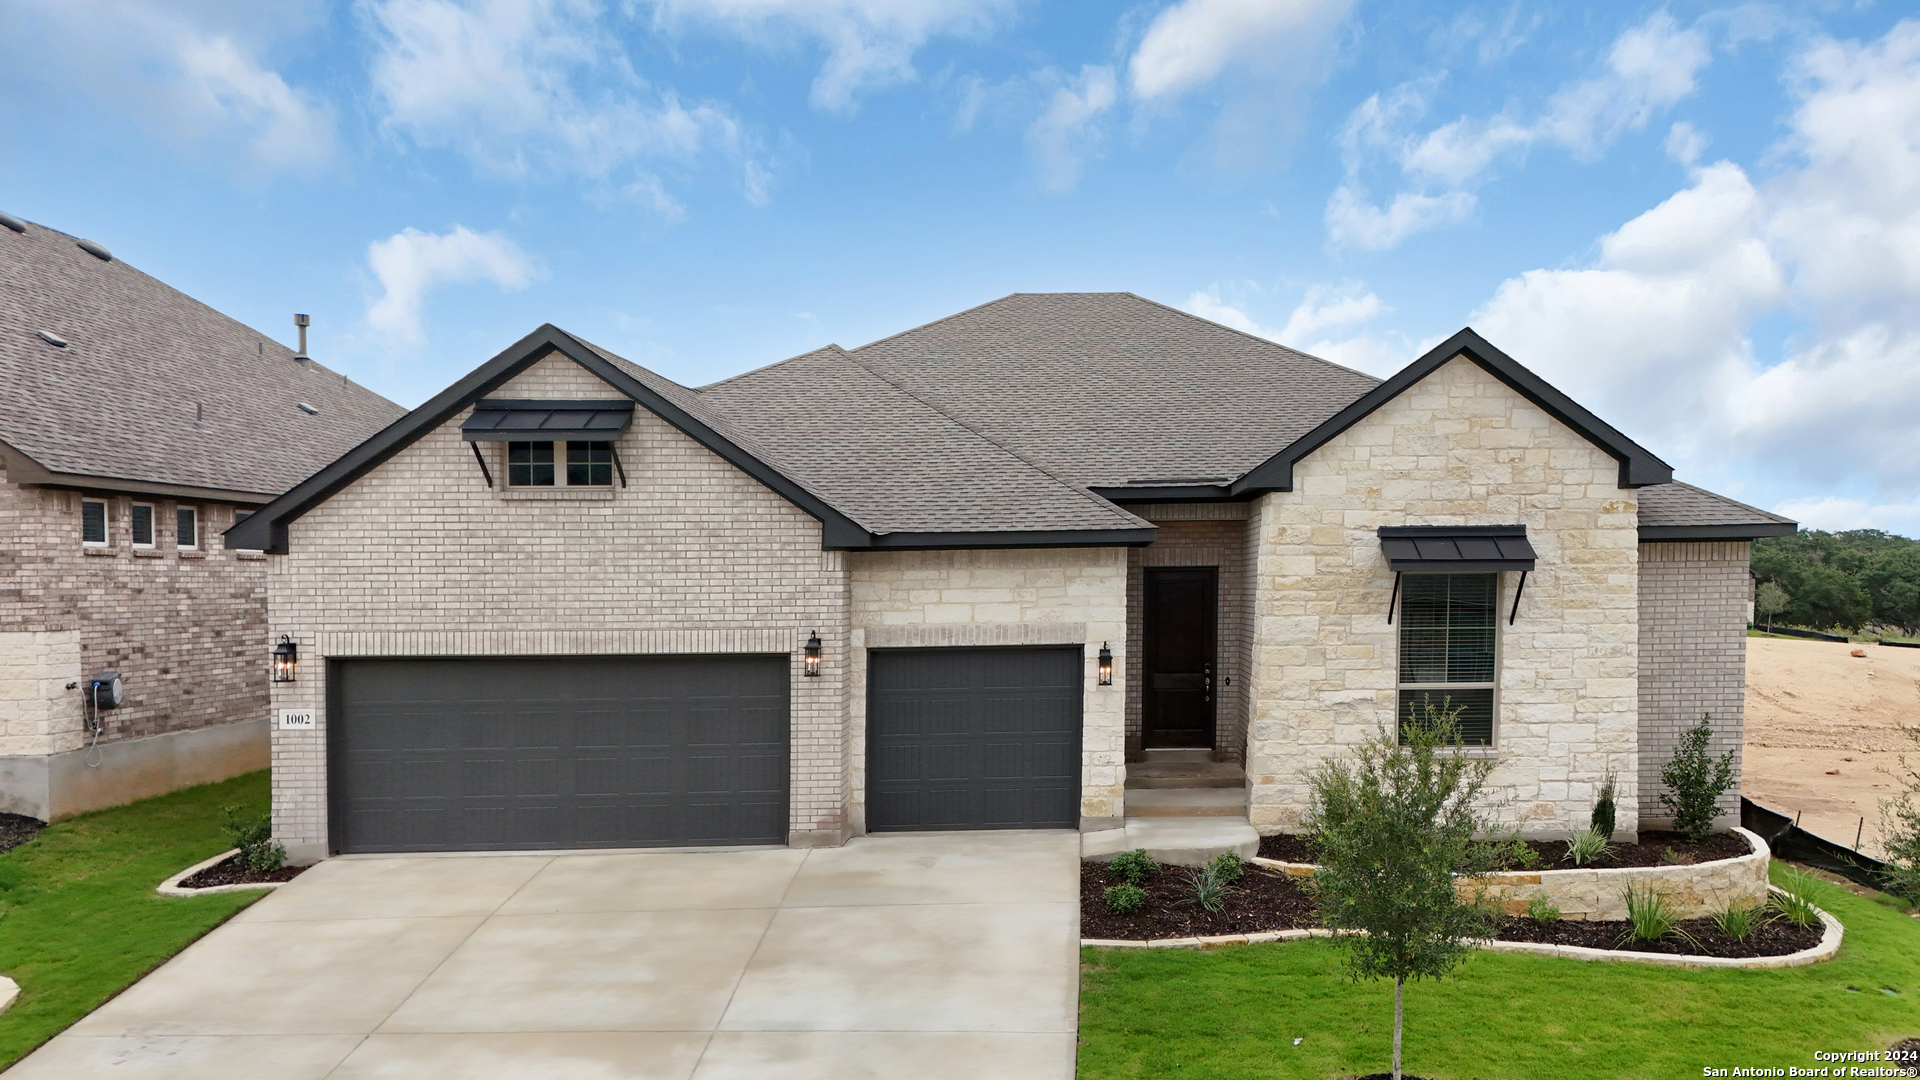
<point x="974" y="739"/>
<point x="557" y="752"/>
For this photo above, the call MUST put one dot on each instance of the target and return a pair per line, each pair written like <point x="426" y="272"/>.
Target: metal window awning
<point x="516" y="420"/>
<point x="1457" y="549"/>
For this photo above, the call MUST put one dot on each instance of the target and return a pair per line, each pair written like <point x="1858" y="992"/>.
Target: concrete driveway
<point x="926" y="956"/>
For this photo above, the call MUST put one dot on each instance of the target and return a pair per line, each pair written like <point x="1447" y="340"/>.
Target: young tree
<point x="1770" y="600"/>
<point x="1395" y="826"/>
<point x="1695" y="781"/>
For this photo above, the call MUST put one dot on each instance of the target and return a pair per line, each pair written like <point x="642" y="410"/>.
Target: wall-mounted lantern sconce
<point x="1106" y="665"/>
<point x="813" y="654"/>
<point x="286" y="657"/>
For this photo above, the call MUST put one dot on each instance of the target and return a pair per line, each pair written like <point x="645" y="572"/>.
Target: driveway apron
<point x="930" y="955"/>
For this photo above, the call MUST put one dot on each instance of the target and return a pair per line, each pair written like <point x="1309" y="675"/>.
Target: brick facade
<point x="184" y="628"/>
<point x="1693" y="659"/>
<point x="420" y="557"/>
<point x="1460" y="447"/>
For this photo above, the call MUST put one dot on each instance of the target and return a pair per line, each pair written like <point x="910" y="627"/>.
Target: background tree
<point x="1770" y="600"/>
<point x="1844" y="580"/>
<point x="1395" y="826"/>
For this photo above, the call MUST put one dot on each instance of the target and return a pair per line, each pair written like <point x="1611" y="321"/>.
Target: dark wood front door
<point x="1177" y="677"/>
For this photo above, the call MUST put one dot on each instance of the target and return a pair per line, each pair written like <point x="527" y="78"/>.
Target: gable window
<point x="93" y="522"/>
<point x="529" y="464"/>
<point x="1448" y="649"/>
<point x="140" y="523"/>
<point x="187" y="533"/>
<point x="535" y="464"/>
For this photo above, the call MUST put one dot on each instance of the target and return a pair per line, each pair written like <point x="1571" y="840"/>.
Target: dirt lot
<point x="1820" y="725"/>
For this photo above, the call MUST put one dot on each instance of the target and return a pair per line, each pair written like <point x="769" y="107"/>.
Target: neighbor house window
<point x="1447" y="649"/>
<point x="93" y="522"/>
<point x="187" y="532"/>
<point x="141" y="525"/>
<point x="532" y="464"/>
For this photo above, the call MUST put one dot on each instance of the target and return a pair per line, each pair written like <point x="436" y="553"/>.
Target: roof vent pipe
<point x="12" y="222"/>
<point x="302" y="322"/>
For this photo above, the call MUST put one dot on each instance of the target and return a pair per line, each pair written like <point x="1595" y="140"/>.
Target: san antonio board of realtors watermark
<point x="1899" y="1062"/>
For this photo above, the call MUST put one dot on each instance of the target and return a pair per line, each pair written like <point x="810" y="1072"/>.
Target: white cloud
<point x="410" y="264"/>
<point x="184" y="70"/>
<point x="1066" y="130"/>
<point x="1835" y="514"/>
<point x="1327" y="306"/>
<point x="870" y="43"/>
<point x="535" y="87"/>
<point x="1324" y="307"/>
<point x="1649" y="68"/>
<point x="1656" y="333"/>
<point x="1194" y="41"/>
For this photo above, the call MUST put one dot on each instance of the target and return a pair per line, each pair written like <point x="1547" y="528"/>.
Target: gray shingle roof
<point x="1108" y="389"/>
<point x="892" y="462"/>
<point x="119" y="400"/>
<point x="1677" y="505"/>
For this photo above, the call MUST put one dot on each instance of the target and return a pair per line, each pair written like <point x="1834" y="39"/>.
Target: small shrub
<point x="1210" y="888"/>
<point x="1601" y="820"/>
<point x="1670" y="857"/>
<point x="1124" y="899"/>
<point x="1695" y="782"/>
<point x="1134" y="867"/>
<point x="1509" y="854"/>
<point x="254" y="837"/>
<point x="1228" y="865"/>
<point x="1650" y="916"/>
<point x="1795" y="902"/>
<point x="1543" y="911"/>
<point x="1586" y="846"/>
<point x="1737" y="921"/>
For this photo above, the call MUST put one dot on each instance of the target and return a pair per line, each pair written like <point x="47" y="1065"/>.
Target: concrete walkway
<point x="926" y="956"/>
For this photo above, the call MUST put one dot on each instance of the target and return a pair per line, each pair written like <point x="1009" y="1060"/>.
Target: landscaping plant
<point x="1695" y="782"/>
<point x="1134" y="867"/>
<point x="1395" y="825"/>
<point x="1543" y="911"/>
<point x="253" y="835"/>
<point x="1209" y="888"/>
<point x="1795" y="901"/>
<point x="1124" y="898"/>
<point x="1650" y="917"/>
<point x="1737" y="920"/>
<point x="1601" y="820"/>
<point x="1586" y="846"/>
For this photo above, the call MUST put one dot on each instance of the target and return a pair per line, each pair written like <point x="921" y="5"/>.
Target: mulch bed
<point x="1652" y="850"/>
<point x="1773" y="936"/>
<point x="1905" y="1055"/>
<point x="17" y="829"/>
<point x="1261" y="900"/>
<point x="232" y="872"/>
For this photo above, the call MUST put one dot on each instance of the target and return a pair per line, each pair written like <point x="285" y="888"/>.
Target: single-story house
<point x="136" y="425"/>
<point x="993" y="572"/>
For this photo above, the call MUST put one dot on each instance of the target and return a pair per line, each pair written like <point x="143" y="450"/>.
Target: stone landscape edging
<point x="1829" y="945"/>
<point x="1592" y="894"/>
<point x="9" y="991"/>
<point x="172" y="886"/>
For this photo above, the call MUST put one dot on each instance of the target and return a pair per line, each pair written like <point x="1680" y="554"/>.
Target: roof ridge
<point x="1256" y="337"/>
<point x="763" y="367"/>
<point x="1104" y="504"/>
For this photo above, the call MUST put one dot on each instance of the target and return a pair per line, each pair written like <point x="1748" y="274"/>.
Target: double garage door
<point x="582" y="752"/>
<point x="573" y="752"/>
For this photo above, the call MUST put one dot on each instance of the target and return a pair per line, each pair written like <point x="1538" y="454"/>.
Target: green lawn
<point x="79" y="920"/>
<point x="1235" y="1011"/>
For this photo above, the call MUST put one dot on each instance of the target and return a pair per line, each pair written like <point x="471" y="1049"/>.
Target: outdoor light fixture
<point x="286" y="656"/>
<point x="813" y="654"/>
<point x="1106" y="665"/>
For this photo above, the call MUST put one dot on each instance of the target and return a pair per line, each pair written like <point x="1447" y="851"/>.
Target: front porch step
<point x="1168" y="757"/>
<point x="1186" y="802"/>
<point x="1185" y="774"/>
<point x="1175" y="841"/>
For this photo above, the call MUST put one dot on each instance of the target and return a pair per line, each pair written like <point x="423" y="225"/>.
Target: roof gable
<point x="1638" y="466"/>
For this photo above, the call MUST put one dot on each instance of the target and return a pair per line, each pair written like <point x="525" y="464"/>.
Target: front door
<point x="1177" y="677"/>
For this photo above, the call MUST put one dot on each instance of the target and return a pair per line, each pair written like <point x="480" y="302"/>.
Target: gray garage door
<point x="974" y="739"/>
<point x="557" y="752"/>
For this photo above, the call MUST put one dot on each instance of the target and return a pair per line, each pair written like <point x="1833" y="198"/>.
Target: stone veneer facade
<point x="1693" y="659"/>
<point x="1461" y="448"/>
<point x="184" y="628"/>
<point x="1017" y="596"/>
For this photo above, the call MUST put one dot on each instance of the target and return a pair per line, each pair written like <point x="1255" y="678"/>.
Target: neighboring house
<point x="569" y="603"/>
<point x="136" y="424"/>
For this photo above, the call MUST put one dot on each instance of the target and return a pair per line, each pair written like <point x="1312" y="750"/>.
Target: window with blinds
<point x="1447" y="649"/>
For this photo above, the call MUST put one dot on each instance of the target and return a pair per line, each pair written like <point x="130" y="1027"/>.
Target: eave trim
<point x="23" y="469"/>
<point x="1638" y="466"/>
<point x="940" y="541"/>
<point x="1750" y="531"/>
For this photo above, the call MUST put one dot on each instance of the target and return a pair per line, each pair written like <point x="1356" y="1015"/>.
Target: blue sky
<point x="1702" y="221"/>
